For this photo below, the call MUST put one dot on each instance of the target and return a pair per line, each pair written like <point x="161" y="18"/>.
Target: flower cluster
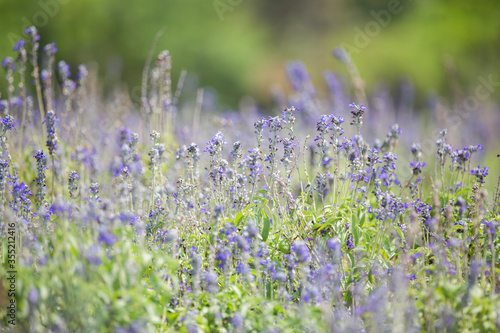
<point x="73" y="183"/>
<point x="480" y="173"/>
<point x="52" y="139"/>
<point x="7" y="123"/>
<point x="20" y="202"/>
<point x="357" y="112"/>
<point x="41" y="166"/>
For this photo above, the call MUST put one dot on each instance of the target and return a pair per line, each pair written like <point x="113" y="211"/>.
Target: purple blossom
<point x="7" y="123"/>
<point x="491" y="227"/>
<point x="64" y="71"/>
<point x="333" y="244"/>
<point x="52" y="139"/>
<point x="32" y="33"/>
<point x="41" y="163"/>
<point x="73" y="183"/>
<point x="222" y="256"/>
<point x="349" y="242"/>
<point x="357" y="112"/>
<point x="94" y="188"/>
<point x="297" y="75"/>
<point x="417" y="167"/>
<point x="211" y="284"/>
<point x="215" y="145"/>
<point x="301" y="251"/>
<point x="20" y="202"/>
<point x="106" y="237"/>
<point x="20" y="44"/>
<point x="33" y="295"/>
<point x="480" y="173"/>
<point x="4" y="166"/>
<point x="8" y="63"/>
<point x="81" y="75"/>
<point x="50" y="49"/>
<point x="341" y="54"/>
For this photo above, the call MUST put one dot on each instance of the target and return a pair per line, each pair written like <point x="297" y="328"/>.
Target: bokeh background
<point x="240" y="47"/>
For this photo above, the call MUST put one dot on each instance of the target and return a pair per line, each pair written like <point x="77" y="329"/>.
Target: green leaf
<point x="355" y="234"/>
<point x="265" y="227"/>
<point x="238" y="218"/>
<point x="400" y="232"/>
<point x="284" y="247"/>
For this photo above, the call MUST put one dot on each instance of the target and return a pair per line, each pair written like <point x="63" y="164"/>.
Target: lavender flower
<point x="222" y="257"/>
<point x="236" y="152"/>
<point x="335" y="88"/>
<point x="417" y="167"/>
<point x="387" y="171"/>
<point x="491" y="228"/>
<point x="64" y="70"/>
<point x="8" y="64"/>
<point x="7" y="123"/>
<point x="94" y="194"/>
<point x="322" y="183"/>
<point x="357" y="115"/>
<point x="73" y="183"/>
<point x="252" y="162"/>
<point x="154" y="158"/>
<point x="196" y="264"/>
<point x="301" y="251"/>
<point x="391" y="140"/>
<point x="51" y="132"/>
<point x="333" y="244"/>
<point x="41" y="166"/>
<point x="275" y="126"/>
<point x="288" y="152"/>
<point x="19" y="45"/>
<point x="341" y="54"/>
<point x="480" y="173"/>
<point x="416" y="151"/>
<point x="81" y="75"/>
<point x="259" y="127"/>
<point x="106" y="237"/>
<point x="329" y="132"/>
<point x="288" y="116"/>
<point x="349" y="243"/>
<point x="215" y="145"/>
<point x="297" y="75"/>
<point x="33" y="296"/>
<point x="237" y="320"/>
<point x="4" y="167"/>
<point x="32" y="33"/>
<point x="443" y="149"/>
<point x="211" y="284"/>
<point x="194" y="153"/>
<point x="94" y="188"/>
<point x="20" y="202"/>
<point x="50" y="49"/>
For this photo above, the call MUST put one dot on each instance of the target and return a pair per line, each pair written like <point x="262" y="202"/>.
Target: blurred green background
<point x="240" y="47"/>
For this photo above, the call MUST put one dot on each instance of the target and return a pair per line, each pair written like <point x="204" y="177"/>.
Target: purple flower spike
<point x="107" y="238"/>
<point x="50" y="48"/>
<point x="20" y="44"/>
<point x="8" y="63"/>
<point x="480" y="173"/>
<point x="32" y="32"/>
<point x="301" y="251"/>
<point x="7" y="123"/>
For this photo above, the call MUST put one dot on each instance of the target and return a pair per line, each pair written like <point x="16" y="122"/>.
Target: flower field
<point x="335" y="212"/>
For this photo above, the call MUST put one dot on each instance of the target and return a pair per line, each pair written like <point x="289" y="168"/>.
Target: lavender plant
<point x="348" y="234"/>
